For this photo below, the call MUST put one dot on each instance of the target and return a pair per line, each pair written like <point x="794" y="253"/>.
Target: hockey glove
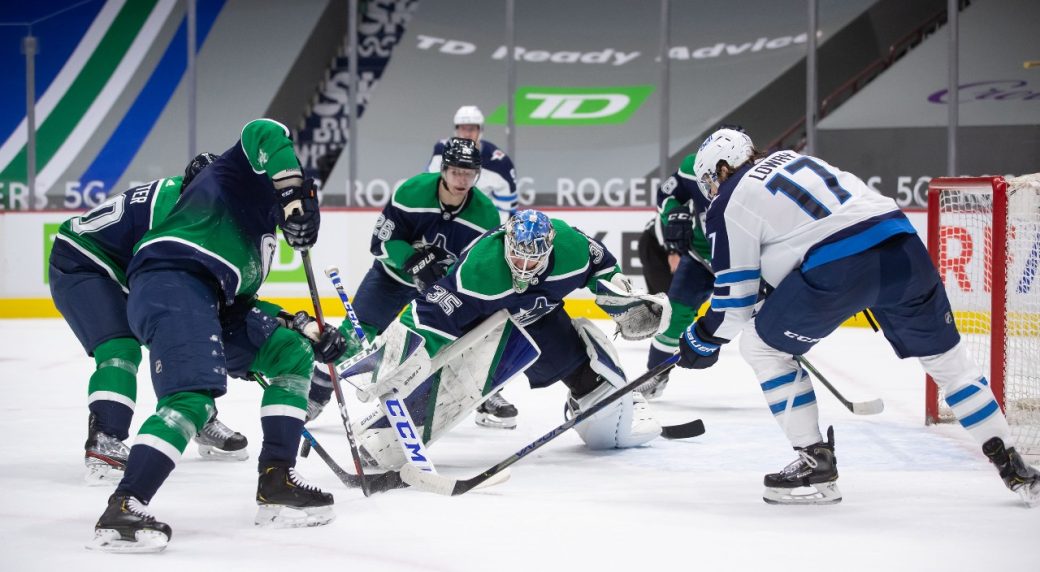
<point x="428" y="265"/>
<point x="328" y="343"/>
<point x="300" y="216"/>
<point x="678" y="232"/>
<point x="695" y="352"/>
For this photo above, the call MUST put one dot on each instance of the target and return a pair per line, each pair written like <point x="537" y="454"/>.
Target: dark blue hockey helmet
<point x="529" y="242"/>
<point x="200" y="162"/>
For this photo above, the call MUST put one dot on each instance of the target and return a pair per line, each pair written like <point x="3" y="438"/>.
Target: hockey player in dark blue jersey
<point x="193" y="280"/>
<point x="497" y="174"/>
<point x="430" y="221"/>
<point x="526" y="269"/>
<point x="831" y="247"/>
<point x="88" y="284"/>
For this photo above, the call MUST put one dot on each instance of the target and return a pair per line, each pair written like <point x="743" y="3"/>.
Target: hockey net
<point x="984" y="237"/>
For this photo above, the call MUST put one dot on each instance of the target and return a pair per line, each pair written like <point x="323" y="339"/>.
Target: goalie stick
<point x="340" y="400"/>
<point x="448" y="486"/>
<point x="872" y="407"/>
<point x="376" y="484"/>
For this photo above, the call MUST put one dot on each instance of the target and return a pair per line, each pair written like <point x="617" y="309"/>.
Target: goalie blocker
<point x="441" y="392"/>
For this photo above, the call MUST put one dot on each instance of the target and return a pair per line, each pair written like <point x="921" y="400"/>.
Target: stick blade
<point x="868" y="407"/>
<point x="442" y="485"/>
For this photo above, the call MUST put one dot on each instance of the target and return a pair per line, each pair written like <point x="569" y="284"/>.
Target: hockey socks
<point x="282" y="413"/>
<point x="162" y="440"/>
<point x="792" y="401"/>
<point x="112" y="391"/>
<point x="968" y="394"/>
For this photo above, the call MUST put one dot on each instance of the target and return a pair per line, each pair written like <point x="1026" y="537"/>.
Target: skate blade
<point x="282" y="516"/>
<point x="211" y="453"/>
<point x="102" y="475"/>
<point x="109" y="540"/>
<point x="1030" y="495"/>
<point x="488" y="420"/>
<point x="822" y="493"/>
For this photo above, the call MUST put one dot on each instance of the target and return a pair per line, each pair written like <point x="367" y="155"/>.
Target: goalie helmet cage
<point x="984" y="238"/>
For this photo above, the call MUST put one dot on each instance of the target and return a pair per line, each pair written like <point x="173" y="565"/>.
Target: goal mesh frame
<point x="1012" y="339"/>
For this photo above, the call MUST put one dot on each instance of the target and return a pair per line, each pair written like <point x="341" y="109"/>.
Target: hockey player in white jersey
<point x="831" y="247"/>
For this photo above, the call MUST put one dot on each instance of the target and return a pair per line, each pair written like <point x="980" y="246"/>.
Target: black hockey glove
<point x="678" y="232"/>
<point x="429" y="264"/>
<point x="696" y="350"/>
<point x="300" y="215"/>
<point x="328" y="343"/>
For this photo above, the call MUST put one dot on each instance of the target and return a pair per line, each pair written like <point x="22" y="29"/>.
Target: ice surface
<point x="916" y="498"/>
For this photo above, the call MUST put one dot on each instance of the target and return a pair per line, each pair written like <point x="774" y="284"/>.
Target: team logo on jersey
<point x="268" y="246"/>
<point x="440" y="241"/>
<point x="541" y="307"/>
<point x="498" y="155"/>
<point x="541" y="105"/>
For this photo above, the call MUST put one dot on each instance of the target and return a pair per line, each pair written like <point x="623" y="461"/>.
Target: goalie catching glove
<point x="429" y="264"/>
<point x="638" y="314"/>
<point x="328" y="343"/>
<point x="299" y="216"/>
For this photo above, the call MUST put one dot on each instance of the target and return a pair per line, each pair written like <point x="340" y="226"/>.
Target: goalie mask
<point x="731" y="146"/>
<point x="529" y="242"/>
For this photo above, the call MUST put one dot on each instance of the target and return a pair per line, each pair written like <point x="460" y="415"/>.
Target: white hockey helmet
<point x="469" y="115"/>
<point x="729" y="145"/>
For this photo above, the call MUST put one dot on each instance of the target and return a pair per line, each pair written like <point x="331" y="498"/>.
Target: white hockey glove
<point x="638" y="315"/>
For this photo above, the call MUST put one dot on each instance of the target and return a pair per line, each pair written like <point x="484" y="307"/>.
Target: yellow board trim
<point x="575" y="307"/>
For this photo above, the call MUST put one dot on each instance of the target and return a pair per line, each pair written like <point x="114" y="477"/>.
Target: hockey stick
<point x="448" y="486"/>
<point x="313" y="287"/>
<point x="377" y="484"/>
<point x="408" y="436"/>
<point x="872" y="407"/>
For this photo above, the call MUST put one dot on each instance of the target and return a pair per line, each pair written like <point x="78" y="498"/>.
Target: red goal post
<point x="984" y="237"/>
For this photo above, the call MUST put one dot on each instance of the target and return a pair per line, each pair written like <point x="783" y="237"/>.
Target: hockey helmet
<point x="461" y="153"/>
<point x="200" y="162"/>
<point x="469" y="115"/>
<point x="529" y="242"/>
<point x="733" y="147"/>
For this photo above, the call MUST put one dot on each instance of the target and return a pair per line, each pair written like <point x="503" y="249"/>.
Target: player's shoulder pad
<point x="686" y="167"/>
<point x="481" y="210"/>
<point x="439" y="146"/>
<point x="571" y="248"/>
<point x="418" y="192"/>
<point x="483" y="272"/>
<point x="490" y="152"/>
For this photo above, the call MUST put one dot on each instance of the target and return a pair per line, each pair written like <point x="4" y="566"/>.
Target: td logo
<point x="574" y="105"/>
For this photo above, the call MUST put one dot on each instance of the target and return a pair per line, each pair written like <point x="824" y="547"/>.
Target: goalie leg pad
<point x="444" y="399"/>
<point x="626" y="423"/>
<point x="787" y="388"/>
<point x="638" y="315"/>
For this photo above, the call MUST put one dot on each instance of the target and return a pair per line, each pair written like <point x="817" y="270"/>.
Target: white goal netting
<point x="987" y="249"/>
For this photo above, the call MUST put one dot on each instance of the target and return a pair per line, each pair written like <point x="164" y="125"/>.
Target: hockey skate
<point x="287" y="501"/>
<point x="218" y="442"/>
<point x="126" y="526"/>
<point x="654" y="387"/>
<point x="810" y="479"/>
<point x="496" y="412"/>
<point x="105" y="456"/>
<point x="1018" y="476"/>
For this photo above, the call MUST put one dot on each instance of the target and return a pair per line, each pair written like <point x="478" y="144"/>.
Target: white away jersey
<point x="787" y="211"/>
